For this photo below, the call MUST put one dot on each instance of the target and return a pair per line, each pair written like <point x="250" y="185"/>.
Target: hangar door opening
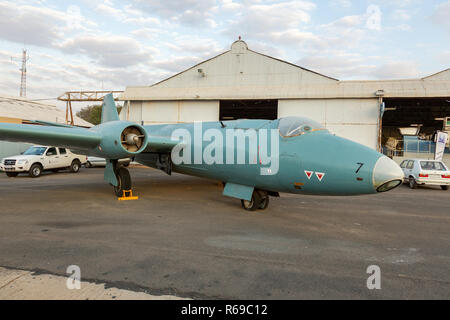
<point x="248" y="109"/>
<point x="409" y="125"/>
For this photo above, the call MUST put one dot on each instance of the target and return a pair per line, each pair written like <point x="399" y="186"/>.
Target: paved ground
<point x="19" y="284"/>
<point x="183" y="238"/>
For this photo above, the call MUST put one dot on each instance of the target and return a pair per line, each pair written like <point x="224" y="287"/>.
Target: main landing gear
<point x="123" y="189"/>
<point x="123" y="181"/>
<point x="259" y="201"/>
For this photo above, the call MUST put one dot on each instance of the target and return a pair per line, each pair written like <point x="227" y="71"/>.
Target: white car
<point x="39" y="158"/>
<point x="421" y="172"/>
<point x="101" y="162"/>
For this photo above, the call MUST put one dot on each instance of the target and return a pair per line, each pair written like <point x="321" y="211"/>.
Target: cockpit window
<point x="295" y="126"/>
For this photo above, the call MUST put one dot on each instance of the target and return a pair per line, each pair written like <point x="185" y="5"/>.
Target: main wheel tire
<point x="75" y="166"/>
<point x="123" y="181"/>
<point x="253" y="204"/>
<point x="412" y="183"/>
<point x="264" y="200"/>
<point x="12" y="174"/>
<point x="35" y="170"/>
<point x="444" y="187"/>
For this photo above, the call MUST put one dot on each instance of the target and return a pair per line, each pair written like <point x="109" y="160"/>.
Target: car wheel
<point x="12" y="174"/>
<point x="444" y="187"/>
<point x="35" y="170"/>
<point x="75" y="166"/>
<point x="253" y="204"/>
<point x="123" y="181"/>
<point x="126" y="164"/>
<point x="412" y="183"/>
<point x="88" y="165"/>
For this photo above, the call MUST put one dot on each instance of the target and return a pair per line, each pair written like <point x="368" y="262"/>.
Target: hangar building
<point x="21" y="110"/>
<point x="241" y="83"/>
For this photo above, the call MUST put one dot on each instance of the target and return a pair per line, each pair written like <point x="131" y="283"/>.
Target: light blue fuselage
<point x="347" y="167"/>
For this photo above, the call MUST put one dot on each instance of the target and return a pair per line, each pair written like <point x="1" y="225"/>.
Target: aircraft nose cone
<point x="387" y="175"/>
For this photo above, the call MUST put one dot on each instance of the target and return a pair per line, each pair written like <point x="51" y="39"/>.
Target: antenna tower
<point x="23" y="78"/>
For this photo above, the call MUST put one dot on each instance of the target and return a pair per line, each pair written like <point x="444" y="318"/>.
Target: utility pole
<point x="23" y="77"/>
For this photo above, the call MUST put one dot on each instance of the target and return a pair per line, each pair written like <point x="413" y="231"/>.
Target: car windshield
<point x="432" y="165"/>
<point x="294" y="126"/>
<point x="35" y="151"/>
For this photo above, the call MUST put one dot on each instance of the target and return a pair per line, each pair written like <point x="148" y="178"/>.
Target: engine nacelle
<point x="120" y="139"/>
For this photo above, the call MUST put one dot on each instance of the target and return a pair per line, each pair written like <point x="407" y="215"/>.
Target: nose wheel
<point x="259" y="201"/>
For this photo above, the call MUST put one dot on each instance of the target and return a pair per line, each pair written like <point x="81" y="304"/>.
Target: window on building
<point x="248" y="109"/>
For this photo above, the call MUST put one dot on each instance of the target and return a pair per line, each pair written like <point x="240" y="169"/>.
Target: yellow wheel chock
<point x="128" y="195"/>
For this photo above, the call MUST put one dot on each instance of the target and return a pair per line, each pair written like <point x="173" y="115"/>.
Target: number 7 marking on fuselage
<point x="360" y="166"/>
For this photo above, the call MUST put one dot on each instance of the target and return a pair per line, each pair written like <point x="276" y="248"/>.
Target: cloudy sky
<point x="110" y="44"/>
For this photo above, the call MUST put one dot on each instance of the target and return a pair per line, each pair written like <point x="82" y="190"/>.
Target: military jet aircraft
<point x="254" y="159"/>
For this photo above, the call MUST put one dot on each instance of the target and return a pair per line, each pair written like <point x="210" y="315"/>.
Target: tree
<point x="93" y="114"/>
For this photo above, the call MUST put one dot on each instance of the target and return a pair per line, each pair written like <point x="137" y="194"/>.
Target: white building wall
<point x="156" y="112"/>
<point x="354" y="119"/>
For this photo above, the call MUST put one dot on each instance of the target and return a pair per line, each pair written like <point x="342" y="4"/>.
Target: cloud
<point x="444" y="57"/>
<point x="341" y="3"/>
<point x="188" y="12"/>
<point x="404" y="27"/>
<point x="108" y="9"/>
<point x="339" y="65"/>
<point x="263" y="18"/>
<point x="401" y="14"/>
<point x="230" y="5"/>
<point x="300" y="38"/>
<point x="203" y="47"/>
<point x="441" y="15"/>
<point x="29" y="25"/>
<point x="111" y="51"/>
<point x="127" y="15"/>
<point x="145" y="33"/>
<point x="397" y="70"/>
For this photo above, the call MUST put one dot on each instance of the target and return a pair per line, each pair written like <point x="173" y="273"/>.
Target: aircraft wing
<point x="72" y="137"/>
<point x="76" y="138"/>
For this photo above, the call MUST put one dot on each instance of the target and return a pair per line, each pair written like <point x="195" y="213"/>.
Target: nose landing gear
<point x="260" y="200"/>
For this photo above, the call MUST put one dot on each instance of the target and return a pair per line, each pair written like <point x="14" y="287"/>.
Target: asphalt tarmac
<point x="183" y="238"/>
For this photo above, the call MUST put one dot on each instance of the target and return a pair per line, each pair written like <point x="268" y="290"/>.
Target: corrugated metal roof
<point x="21" y="108"/>
<point x="241" y="73"/>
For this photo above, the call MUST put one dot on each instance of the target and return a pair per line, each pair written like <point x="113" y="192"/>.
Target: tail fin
<point x="109" y="110"/>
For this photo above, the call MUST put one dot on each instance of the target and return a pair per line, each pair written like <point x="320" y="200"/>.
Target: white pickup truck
<point x="39" y="158"/>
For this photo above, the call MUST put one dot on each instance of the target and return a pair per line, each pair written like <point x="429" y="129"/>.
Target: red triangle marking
<point x="320" y="175"/>
<point x="308" y="174"/>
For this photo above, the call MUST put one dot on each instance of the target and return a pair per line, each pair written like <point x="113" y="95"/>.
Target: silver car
<point x="101" y="162"/>
<point x="425" y="172"/>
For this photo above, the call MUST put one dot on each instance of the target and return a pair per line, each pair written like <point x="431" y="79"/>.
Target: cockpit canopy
<point x="295" y="126"/>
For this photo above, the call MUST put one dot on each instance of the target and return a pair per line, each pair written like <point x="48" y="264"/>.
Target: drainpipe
<point x="380" y="95"/>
